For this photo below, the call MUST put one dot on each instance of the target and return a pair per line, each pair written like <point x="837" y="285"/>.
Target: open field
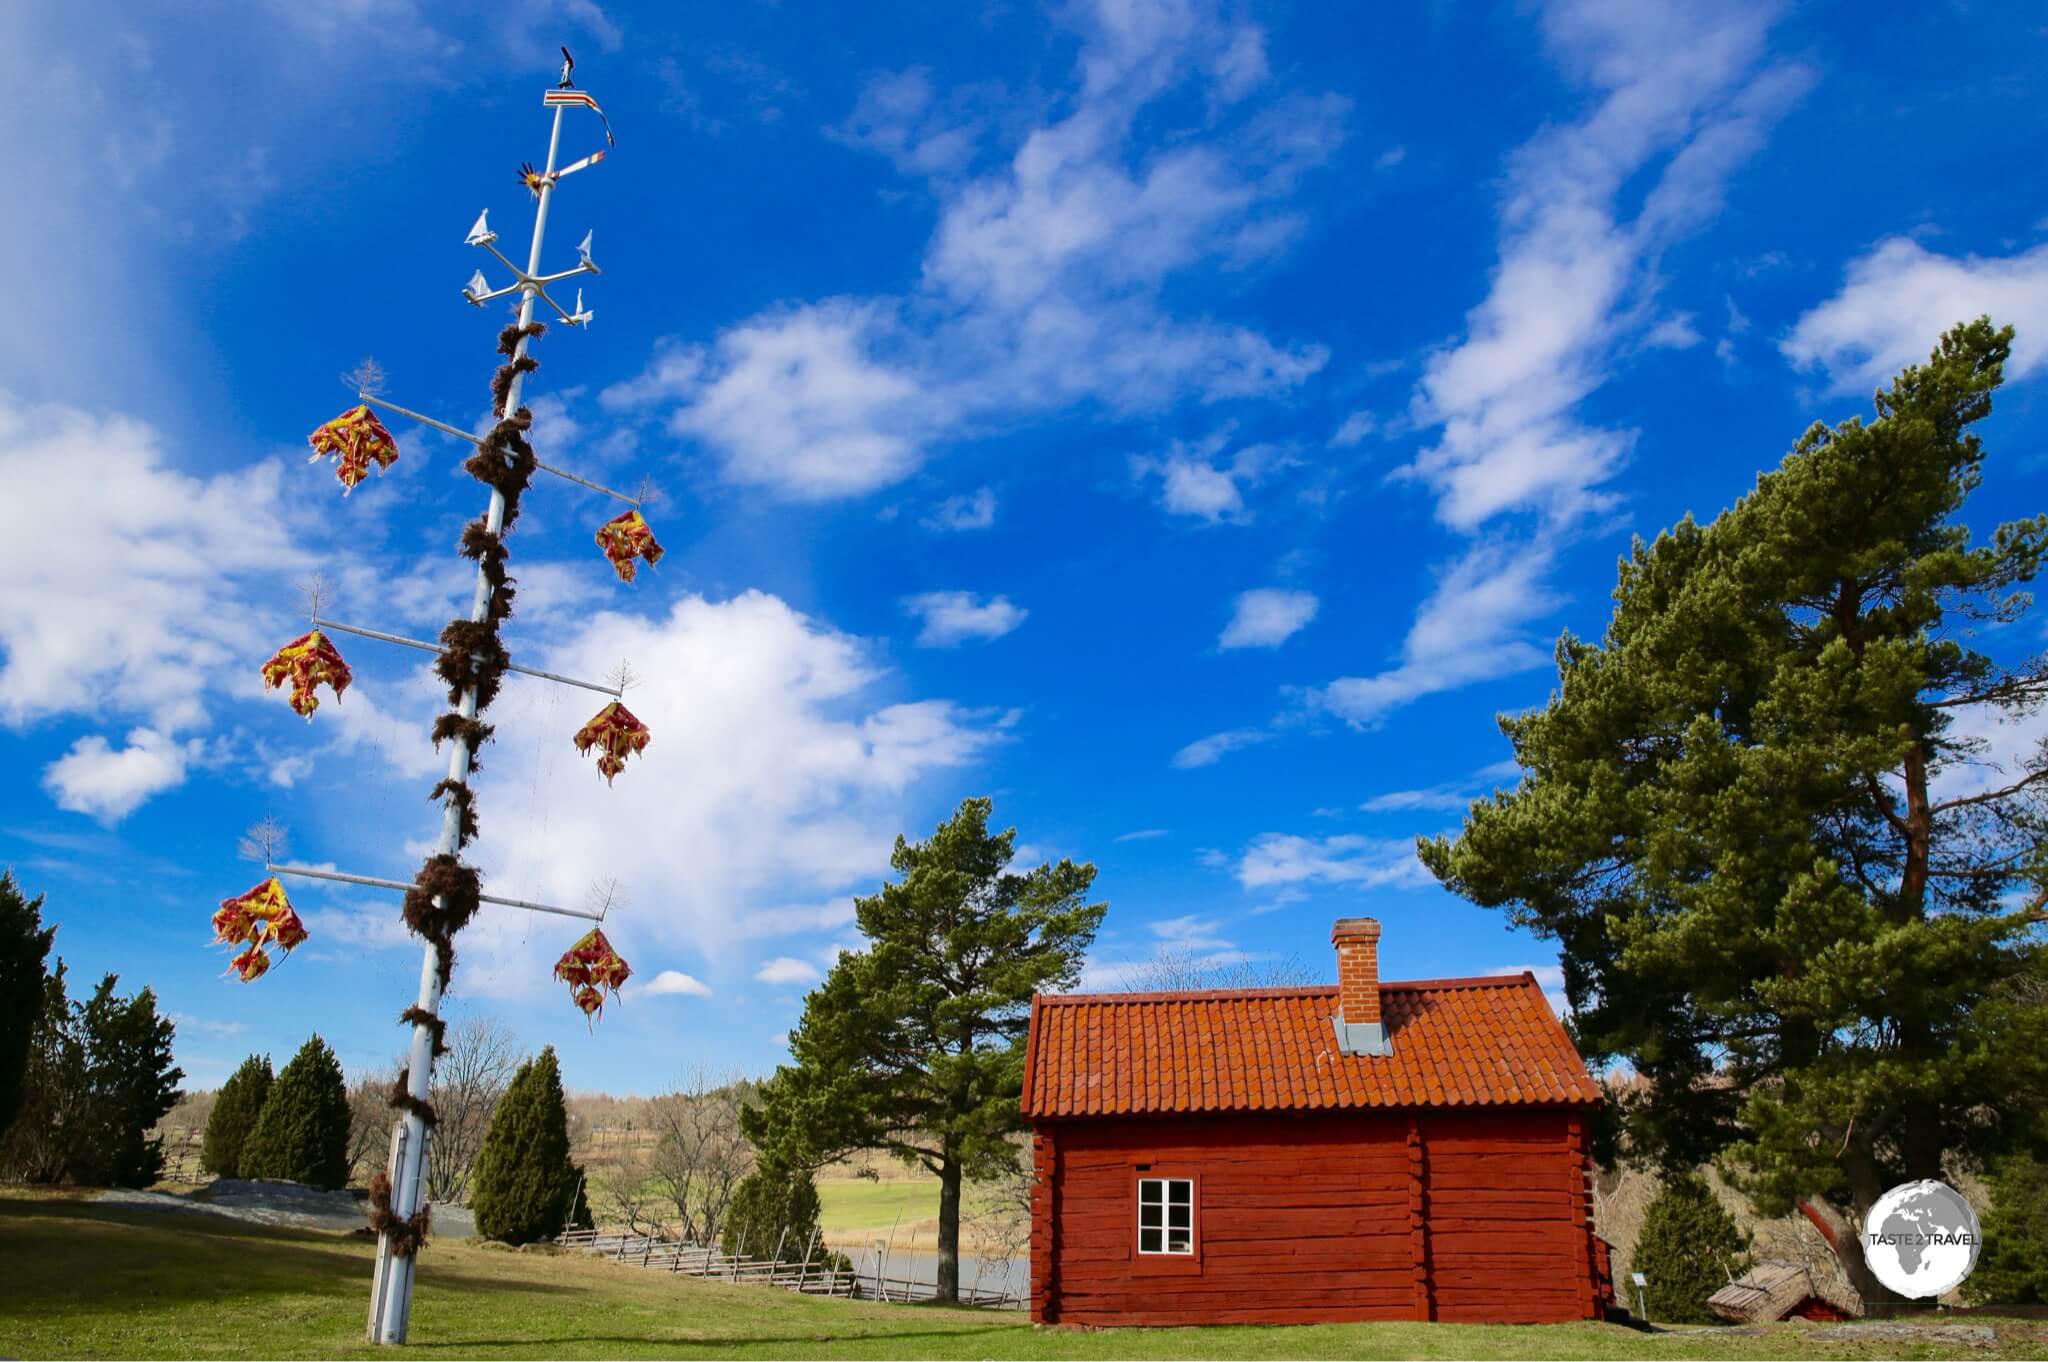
<point x="88" y="1280"/>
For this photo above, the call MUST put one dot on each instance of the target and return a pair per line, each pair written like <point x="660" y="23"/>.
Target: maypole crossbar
<point x="405" y="886"/>
<point x="616" y="692"/>
<point x="370" y="399"/>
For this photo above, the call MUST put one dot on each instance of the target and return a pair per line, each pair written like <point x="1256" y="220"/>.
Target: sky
<point x="1189" y="425"/>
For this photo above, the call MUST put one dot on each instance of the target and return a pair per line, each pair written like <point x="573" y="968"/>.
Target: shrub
<point x="302" y="1135"/>
<point x="2014" y="1267"/>
<point x="1689" y="1249"/>
<point x="524" y="1184"/>
<point x="235" y="1112"/>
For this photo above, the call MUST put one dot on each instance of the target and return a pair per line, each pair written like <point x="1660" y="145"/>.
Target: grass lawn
<point x="81" y="1280"/>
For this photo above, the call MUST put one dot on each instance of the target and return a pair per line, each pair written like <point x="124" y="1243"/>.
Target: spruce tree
<point x="235" y="1111"/>
<point x="24" y="946"/>
<point x="1757" y="817"/>
<point x="1689" y="1249"/>
<point x="302" y="1133"/>
<point x="916" y="1044"/>
<point x="524" y="1183"/>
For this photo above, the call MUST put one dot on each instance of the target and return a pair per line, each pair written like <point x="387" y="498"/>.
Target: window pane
<point x="1148" y="1190"/>
<point x="1177" y="1241"/>
<point x="1177" y="1217"/>
<point x="1149" y="1215"/>
<point x="1178" y="1192"/>
<point x="1148" y="1241"/>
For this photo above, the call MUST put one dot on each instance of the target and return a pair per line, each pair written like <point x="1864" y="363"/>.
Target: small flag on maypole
<point x="580" y="99"/>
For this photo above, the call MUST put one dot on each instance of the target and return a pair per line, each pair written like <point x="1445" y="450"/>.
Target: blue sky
<point x="1189" y="425"/>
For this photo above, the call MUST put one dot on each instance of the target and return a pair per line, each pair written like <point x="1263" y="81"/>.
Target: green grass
<point x="81" y="1280"/>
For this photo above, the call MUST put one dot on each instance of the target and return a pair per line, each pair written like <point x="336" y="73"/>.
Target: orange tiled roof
<point x="1454" y="1043"/>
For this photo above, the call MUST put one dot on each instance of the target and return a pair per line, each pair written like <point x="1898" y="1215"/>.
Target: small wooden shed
<point x="1773" y="1290"/>
<point x="1412" y="1150"/>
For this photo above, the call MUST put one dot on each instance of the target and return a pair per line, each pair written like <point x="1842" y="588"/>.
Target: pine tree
<point x="1689" y="1248"/>
<point x="524" y="1184"/>
<point x="24" y="946"/>
<point x="235" y="1111"/>
<point x="1748" y="815"/>
<point x="302" y="1133"/>
<point x="916" y="1044"/>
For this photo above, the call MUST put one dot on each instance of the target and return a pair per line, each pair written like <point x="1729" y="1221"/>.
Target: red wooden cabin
<point x="1294" y="1155"/>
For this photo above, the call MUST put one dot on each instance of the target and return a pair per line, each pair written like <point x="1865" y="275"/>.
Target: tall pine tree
<point x="302" y="1133"/>
<point x="916" y="1044"/>
<point x="1756" y="817"/>
<point x="524" y="1185"/>
<point x="24" y="947"/>
<point x="235" y="1111"/>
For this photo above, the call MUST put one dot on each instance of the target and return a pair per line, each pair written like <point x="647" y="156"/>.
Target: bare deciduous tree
<point x="624" y="1192"/>
<point x="369" y="1123"/>
<point x="1177" y="969"/>
<point x="469" y="1080"/>
<point x="699" y="1156"/>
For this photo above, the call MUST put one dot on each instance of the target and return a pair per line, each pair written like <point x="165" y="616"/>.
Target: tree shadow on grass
<point x="194" y="1253"/>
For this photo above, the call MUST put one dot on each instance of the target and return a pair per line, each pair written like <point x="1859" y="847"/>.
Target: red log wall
<point x="1315" y="1218"/>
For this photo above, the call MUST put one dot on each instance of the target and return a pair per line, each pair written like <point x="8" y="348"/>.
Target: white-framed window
<point x="1166" y="1215"/>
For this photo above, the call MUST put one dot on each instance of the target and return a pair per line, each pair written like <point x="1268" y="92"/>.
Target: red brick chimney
<point x="1360" y="1030"/>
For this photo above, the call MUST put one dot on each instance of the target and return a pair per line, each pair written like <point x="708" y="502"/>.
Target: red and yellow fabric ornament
<point x="616" y="735"/>
<point x="306" y="662"/>
<point x="257" y="920"/>
<point x="589" y="968"/>
<point x="355" y="439"/>
<point x="625" y="537"/>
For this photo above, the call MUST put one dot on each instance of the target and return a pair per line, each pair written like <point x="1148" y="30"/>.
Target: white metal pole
<point x="391" y="1285"/>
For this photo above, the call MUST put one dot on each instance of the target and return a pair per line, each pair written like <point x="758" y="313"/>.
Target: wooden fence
<point x="809" y="1275"/>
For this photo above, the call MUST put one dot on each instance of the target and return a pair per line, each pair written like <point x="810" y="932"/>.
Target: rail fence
<point x="809" y="1276"/>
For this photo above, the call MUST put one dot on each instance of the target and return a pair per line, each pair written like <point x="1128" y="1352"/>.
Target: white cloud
<point x="1192" y="484"/>
<point x="1472" y="628"/>
<point x="968" y="512"/>
<point x="1212" y="749"/>
<point x="953" y="617"/>
<point x="673" y="982"/>
<point x="1142" y="835"/>
<point x="1191" y="932"/>
<point x="1400" y="801"/>
<point x="1673" y="333"/>
<point x="1681" y="98"/>
<point x="773" y="784"/>
<point x="1455" y="797"/>
<point x="127" y="581"/>
<point x="799" y="401"/>
<point x="94" y="778"/>
<point x="785" y="969"/>
<point x="1897" y="300"/>
<point x="1042" y="282"/>
<point x="1280" y="861"/>
<point x="1355" y="428"/>
<point x="1267" y="618"/>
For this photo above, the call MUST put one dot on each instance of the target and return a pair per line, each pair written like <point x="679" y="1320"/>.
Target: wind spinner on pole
<point x="470" y="657"/>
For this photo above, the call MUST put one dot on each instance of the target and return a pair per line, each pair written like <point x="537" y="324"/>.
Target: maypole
<point x="446" y="893"/>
